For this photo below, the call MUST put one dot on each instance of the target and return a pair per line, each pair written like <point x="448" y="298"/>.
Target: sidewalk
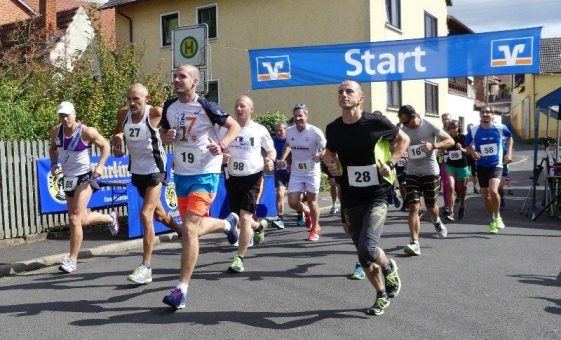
<point x="47" y="249"/>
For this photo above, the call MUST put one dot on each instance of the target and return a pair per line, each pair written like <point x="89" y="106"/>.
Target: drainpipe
<point x="130" y="23"/>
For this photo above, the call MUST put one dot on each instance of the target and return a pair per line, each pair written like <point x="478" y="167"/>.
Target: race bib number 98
<point x="362" y="176"/>
<point x="237" y="167"/>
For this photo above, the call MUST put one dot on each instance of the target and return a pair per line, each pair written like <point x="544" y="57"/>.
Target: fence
<point x="19" y="193"/>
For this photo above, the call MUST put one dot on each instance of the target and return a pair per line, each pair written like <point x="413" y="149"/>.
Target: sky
<point x="498" y="15"/>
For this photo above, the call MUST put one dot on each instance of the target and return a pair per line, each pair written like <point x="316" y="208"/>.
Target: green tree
<point x="268" y="120"/>
<point x="31" y="88"/>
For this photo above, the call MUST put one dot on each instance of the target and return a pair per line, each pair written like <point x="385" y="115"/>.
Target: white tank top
<point x="73" y="152"/>
<point x="146" y="152"/>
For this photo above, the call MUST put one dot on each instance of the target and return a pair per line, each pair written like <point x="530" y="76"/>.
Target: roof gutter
<point x="130" y="23"/>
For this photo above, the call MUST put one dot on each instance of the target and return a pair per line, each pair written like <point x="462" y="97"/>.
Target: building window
<point x="393" y="13"/>
<point x="458" y="85"/>
<point x="168" y="23"/>
<point x="394" y="94"/>
<point x="431" y="98"/>
<point x="207" y="15"/>
<point x="213" y="92"/>
<point x="431" y="26"/>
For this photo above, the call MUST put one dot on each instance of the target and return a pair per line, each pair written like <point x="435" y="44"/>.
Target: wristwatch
<point x="391" y="165"/>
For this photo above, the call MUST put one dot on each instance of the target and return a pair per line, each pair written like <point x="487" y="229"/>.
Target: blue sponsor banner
<point x="168" y="198"/>
<point x="51" y="195"/>
<point x="491" y="53"/>
<point x="266" y="207"/>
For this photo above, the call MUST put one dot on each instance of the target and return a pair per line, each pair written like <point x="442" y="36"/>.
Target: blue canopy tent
<point x="544" y="105"/>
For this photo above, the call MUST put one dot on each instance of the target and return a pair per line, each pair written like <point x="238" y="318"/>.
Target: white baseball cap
<point x="66" y="107"/>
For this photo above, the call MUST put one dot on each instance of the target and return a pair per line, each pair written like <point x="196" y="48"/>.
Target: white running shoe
<point x="141" y="275"/>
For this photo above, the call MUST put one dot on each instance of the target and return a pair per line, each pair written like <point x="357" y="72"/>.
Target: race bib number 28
<point x="362" y="176"/>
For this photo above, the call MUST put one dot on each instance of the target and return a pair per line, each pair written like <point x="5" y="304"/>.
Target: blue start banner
<point x="491" y="53"/>
<point x="51" y="194"/>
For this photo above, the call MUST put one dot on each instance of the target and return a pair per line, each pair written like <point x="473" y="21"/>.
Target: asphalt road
<point x="470" y="285"/>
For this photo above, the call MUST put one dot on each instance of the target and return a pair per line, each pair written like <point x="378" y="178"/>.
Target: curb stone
<point x="50" y="260"/>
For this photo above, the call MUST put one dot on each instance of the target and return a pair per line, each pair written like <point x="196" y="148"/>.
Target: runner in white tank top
<point x="307" y="145"/>
<point x="70" y="143"/>
<point x="138" y="125"/>
<point x="144" y="145"/>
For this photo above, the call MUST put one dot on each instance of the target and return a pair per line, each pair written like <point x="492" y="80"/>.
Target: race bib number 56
<point x="488" y="149"/>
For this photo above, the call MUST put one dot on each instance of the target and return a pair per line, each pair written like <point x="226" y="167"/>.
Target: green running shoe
<point x="259" y="234"/>
<point x="412" y="248"/>
<point x="237" y="265"/>
<point x="493" y="226"/>
<point x="393" y="283"/>
<point x="379" y="306"/>
<point x="499" y="223"/>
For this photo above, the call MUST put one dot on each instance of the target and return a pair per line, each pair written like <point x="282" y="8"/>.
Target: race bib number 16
<point x="415" y="152"/>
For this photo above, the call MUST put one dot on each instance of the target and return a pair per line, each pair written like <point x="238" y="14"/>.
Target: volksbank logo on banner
<point x="273" y="68"/>
<point x="511" y="52"/>
<point x="492" y="53"/>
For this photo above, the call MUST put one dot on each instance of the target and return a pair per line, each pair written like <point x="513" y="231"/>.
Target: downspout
<point x="130" y="23"/>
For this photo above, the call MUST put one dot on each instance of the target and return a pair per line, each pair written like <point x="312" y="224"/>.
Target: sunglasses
<point x="299" y="107"/>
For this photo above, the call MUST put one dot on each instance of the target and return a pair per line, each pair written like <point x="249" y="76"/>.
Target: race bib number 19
<point x="188" y="156"/>
<point x="362" y="176"/>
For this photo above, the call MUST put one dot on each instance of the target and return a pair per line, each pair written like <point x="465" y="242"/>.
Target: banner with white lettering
<point x="51" y="188"/>
<point x="491" y="53"/>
